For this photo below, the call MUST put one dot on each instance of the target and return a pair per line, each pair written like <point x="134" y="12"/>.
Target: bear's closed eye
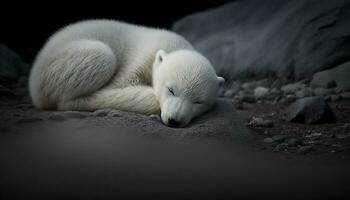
<point x="171" y="91"/>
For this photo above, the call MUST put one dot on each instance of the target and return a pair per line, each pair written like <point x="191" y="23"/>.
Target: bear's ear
<point x="221" y="81"/>
<point x="160" y="55"/>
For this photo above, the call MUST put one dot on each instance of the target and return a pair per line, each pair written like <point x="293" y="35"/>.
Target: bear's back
<point x="130" y="43"/>
<point x="134" y="48"/>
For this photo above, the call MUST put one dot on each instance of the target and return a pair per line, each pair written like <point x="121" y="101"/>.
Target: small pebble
<point x="280" y="147"/>
<point x="75" y="114"/>
<point x="261" y="92"/>
<point x="229" y="93"/>
<point x="268" y="140"/>
<point x="114" y="113"/>
<point x="293" y="87"/>
<point x="304" y="149"/>
<point x="154" y="117"/>
<point x="276" y="84"/>
<point x="101" y="112"/>
<point x="260" y="122"/>
<point x="252" y="85"/>
<point x="276" y="91"/>
<point x="293" y="142"/>
<point x="57" y="117"/>
<point x="280" y="138"/>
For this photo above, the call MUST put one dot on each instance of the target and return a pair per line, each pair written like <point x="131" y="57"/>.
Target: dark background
<point x="26" y="26"/>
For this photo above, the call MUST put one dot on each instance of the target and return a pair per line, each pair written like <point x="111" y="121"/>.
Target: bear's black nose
<point x="173" y="123"/>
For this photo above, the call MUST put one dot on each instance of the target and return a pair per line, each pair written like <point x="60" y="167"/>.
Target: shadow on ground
<point x="93" y="155"/>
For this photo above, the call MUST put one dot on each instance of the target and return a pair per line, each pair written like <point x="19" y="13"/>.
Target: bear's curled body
<point x="98" y="64"/>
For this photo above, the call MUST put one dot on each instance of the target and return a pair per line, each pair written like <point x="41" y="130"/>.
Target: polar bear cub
<point x="99" y="64"/>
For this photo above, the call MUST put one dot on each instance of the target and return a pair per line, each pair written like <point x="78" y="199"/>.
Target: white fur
<point x="191" y="78"/>
<point x="108" y="64"/>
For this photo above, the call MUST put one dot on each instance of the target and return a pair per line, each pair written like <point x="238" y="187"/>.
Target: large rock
<point x="11" y="65"/>
<point x="310" y="110"/>
<point x="338" y="76"/>
<point x="288" y="38"/>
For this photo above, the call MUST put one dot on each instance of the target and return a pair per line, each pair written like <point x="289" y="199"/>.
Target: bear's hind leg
<point x="80" y="69"/>
<point x="139" y="99"/>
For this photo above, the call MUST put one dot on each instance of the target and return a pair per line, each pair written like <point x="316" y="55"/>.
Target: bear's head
<point x="185" y="84"/>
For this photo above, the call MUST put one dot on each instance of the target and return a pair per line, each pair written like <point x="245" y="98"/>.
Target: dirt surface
<point x="330" y="139"/>
<point x="220" y="123"/>
<point x="110" y="154"/>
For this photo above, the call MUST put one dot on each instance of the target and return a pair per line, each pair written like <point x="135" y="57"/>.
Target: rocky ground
<point x="46" y="154"/>
<point x="294" y="118"/>
<point x="269" y="109"/>
<point x="304" y="43"/>
<point x="266" y="137"/>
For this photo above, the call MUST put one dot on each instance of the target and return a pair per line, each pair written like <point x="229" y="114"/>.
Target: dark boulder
<point x="11" y="65"/>
<point x="310" y="110"/>
<point x="262" y="37"/>
<point x="337" y="77"/>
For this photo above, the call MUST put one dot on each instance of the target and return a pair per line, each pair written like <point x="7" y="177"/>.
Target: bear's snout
<point x="176" y="112"/>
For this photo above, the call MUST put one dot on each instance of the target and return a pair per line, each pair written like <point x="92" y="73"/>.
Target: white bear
<point x="99" y="64"/>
